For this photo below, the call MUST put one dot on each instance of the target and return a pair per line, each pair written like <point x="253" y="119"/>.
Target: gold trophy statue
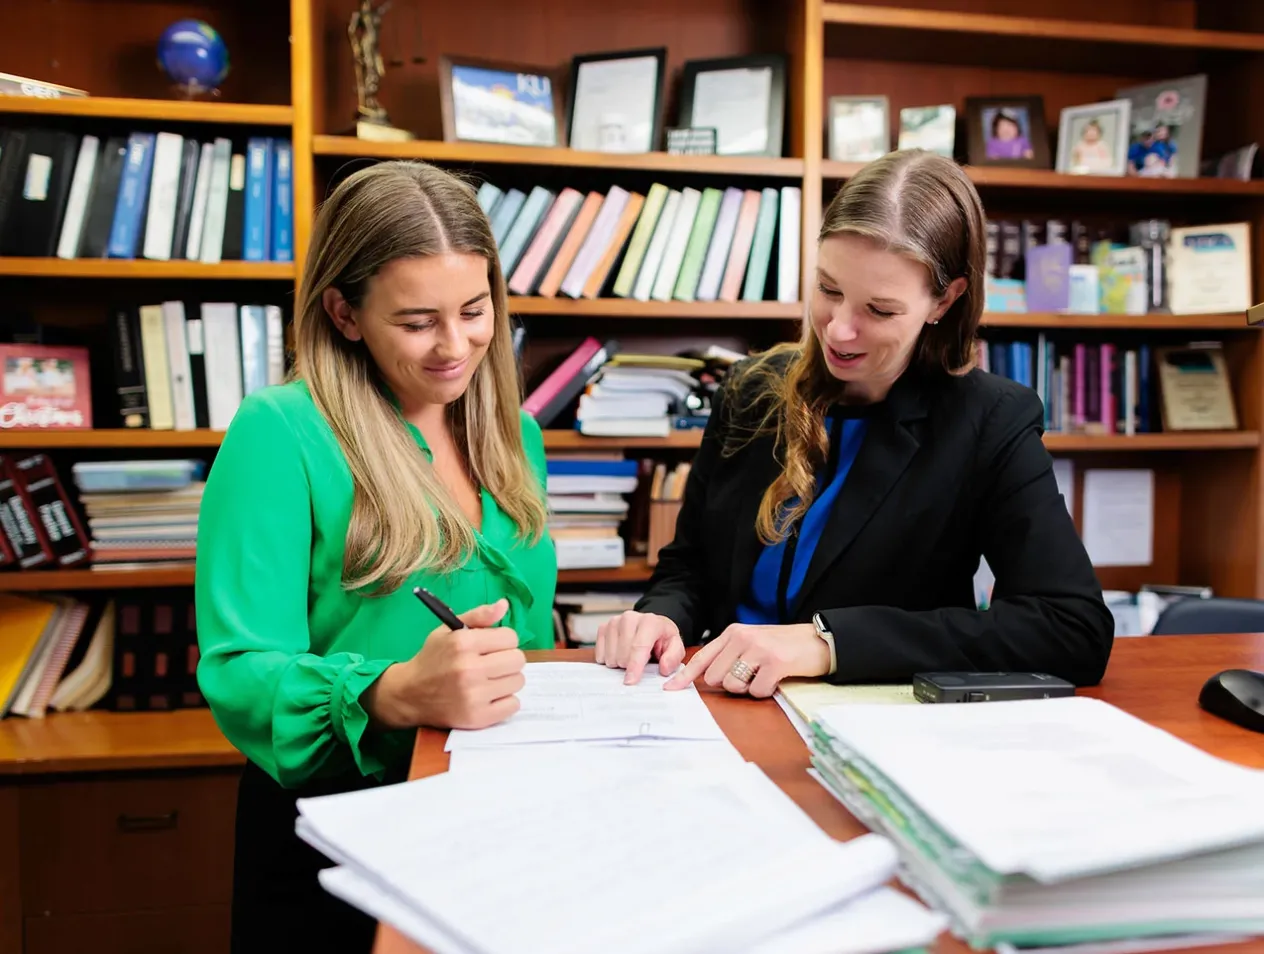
<point x="364" y="32"/>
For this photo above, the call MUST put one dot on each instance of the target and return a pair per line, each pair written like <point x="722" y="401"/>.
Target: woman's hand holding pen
<point x="465" y="678"/>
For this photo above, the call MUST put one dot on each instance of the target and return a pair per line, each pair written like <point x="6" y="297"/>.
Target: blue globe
<point x="192" y="54"/>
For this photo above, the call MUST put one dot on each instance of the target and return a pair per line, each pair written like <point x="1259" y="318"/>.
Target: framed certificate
<point x="616" y="100"/>
<point x="742" y="98"/>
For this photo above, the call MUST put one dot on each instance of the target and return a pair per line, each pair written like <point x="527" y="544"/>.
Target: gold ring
<point x="742" y="671"/>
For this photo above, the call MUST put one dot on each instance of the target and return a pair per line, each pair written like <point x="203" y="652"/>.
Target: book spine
<point x="125" y="229"/>
<point x="37" y="481"/>
<point x="20" y="523"/>
<point x="283" y="202"/>
<point x="129" y="370"/>
<point x="256" y="238"/>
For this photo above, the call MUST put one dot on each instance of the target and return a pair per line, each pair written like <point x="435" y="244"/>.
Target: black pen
<point x="439" y="608"/>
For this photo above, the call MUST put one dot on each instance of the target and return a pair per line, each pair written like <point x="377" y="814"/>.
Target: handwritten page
<point x="562" y="702"/>
<point x="455" y="850"/>
<point x="1119" y="517"/>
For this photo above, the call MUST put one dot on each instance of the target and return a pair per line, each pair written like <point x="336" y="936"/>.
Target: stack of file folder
<point x="1054" y="821"/>
<point x="564" y="837"/>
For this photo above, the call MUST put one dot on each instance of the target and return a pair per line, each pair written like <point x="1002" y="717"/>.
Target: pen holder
<point x="663" y="514"/>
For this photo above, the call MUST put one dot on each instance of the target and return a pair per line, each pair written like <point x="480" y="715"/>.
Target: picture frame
<point x="933" y="128"/>
<point x="1166" y="122"/>
<point x="1007" y="131"/>
<point x="1093" y="139"/>
<point x="859" y="128"/>
<point x="496" y="101"/>
<point x="616" y="100"/>
<point x="742" y="97"/>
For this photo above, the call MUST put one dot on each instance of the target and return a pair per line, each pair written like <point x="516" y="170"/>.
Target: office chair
<point x="1215" y="615"/>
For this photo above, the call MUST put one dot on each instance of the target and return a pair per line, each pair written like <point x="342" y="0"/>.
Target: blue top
<point x="763" y="603"/>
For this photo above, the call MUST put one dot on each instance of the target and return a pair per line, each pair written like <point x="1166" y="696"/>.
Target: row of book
<point x="181" y="367"/>
<point x="667" y="244"/>
<point x="126" y="653"/>
<point x="158" y="196"/>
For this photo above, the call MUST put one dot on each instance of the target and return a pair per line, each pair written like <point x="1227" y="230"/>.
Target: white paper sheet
<point x="643" y="755"/>
<point x="1119" y="517"/>
<point x="454" y="849"/>
<point x="1064" y="474"/>
<point x="881" y="921"/>
<point x="562" y="702"/>
<point x="1075" y="786"/>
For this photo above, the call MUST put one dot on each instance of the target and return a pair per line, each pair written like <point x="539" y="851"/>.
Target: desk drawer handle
<point x="134" y="823"/>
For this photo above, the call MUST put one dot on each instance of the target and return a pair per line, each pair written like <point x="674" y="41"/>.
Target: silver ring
<point x="742" y="671"/>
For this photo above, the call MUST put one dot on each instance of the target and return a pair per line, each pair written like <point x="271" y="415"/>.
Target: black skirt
<point x="278" y="903"/>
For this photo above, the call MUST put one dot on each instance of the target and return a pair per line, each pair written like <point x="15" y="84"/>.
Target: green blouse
<point x="286" y="652"/>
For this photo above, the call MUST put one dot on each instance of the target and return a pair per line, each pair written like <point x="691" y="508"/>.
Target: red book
<point x="44" y="387"/>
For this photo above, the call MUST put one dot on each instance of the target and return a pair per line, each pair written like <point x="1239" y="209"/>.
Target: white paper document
<point x="497" y="869"/>
<point x="1118" y="517"/>
<point x="642" y="755"/>
<point x="1076" y="787"/>
<point x="563" y="702"/>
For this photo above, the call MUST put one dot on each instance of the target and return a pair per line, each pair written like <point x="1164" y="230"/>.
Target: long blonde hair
<point x="911" y="202"/>
<point x="402" y="517"/>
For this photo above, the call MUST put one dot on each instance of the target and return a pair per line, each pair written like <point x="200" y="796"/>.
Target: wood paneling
<point x="110" y="49"/>
<point x="10" y="870"/>
<point x="543" y="35"/>
<point x="203" y="929"/>
<point x="103" y="845"/>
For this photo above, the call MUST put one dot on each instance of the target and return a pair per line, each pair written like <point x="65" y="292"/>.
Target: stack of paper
<point x="1053" y="821"/>
<point x="463" y="864"/>
<point x="605" y="817"/>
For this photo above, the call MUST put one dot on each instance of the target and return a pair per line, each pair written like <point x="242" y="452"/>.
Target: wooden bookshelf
<point x="560" y="440"/>
<point x="496" y="154"/>
<point x="1167" y="441"/>
<point x="958" y="24"/>
<point x="33" y="581"/>
<point x="1152" y="322"/>
<point x="144" y="268"/>
<point x="115" y="438"/>
<point x="157" y="110"/>
<point x="1046" y="180"/>
<point x="635" y="570"/>
<point x="631" y="308"/>
<point x="99" y="740"/>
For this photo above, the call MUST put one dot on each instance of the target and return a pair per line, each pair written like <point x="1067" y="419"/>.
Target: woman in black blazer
<point x="848" y="484"/>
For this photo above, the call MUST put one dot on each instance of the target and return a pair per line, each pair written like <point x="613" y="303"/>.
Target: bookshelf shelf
<point x="97" y="739"/>
<point x="631" y="308"/>
<point x="143" y="268"/>
<point x="496" y="154"/>
<point x="111" y="107"/>
<point x="559" y="440"/>
<point x="999" y="177"/>
<point x="1169" y="441"/>
<point x="33" y="581"/>
<point x="119" y="438"/>
<point x="635" y="570"/>
<point x="1043" y="28"/>
<point x="1235" y="321"/>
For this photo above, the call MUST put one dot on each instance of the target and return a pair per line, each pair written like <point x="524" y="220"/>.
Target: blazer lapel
<point x="887" y="449"/>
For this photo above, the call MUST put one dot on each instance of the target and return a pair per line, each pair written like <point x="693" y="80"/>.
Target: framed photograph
<point x="616" y="100"/>
<point x="1007" y="131"/>
<point x="1093" y="139"/>
<point x="743" y="98"/>
<point x="859" y="128"/>
<point x="1166" y="137"/>
<point x="933" y="128"/>
<point x="489" y="101"/>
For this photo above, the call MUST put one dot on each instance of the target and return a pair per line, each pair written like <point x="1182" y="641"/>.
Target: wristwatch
<point x="823" y="630"/>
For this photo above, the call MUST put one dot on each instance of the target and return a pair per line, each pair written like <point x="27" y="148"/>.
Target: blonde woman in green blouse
<point x="397" y="456"/>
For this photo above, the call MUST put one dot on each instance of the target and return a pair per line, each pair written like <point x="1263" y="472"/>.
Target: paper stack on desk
<point x="604" y="817"/>
<point x="1053" y="821"/>
<point x="674" y="861"/>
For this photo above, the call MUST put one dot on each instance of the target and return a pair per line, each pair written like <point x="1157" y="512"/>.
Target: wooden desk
<point x="1156" y="678"/>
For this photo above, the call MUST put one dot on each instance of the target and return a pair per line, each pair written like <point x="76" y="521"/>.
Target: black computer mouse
<point x="1236" y="695"/>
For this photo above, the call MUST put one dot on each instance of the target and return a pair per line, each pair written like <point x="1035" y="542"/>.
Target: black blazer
<point x="951" y="468"/>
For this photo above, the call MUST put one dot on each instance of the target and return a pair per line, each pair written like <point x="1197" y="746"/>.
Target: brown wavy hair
<point x="402" y="518"/>
<point x="914" y="203"/>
